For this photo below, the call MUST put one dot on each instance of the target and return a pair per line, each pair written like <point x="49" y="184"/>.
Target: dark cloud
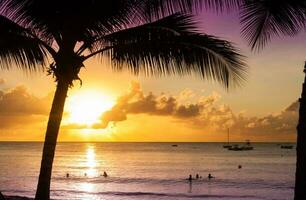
<point x="19" y="108"/>
<point x="283" y="122"/>
<point x="192" y="110"/>
<point x="19" y="102"/>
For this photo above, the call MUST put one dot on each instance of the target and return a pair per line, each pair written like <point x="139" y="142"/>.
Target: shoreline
<point x="16" y="198"/>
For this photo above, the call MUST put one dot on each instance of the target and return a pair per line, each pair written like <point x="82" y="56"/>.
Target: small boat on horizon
<point x="286" y="146"/>
<point x="246" y="147"/>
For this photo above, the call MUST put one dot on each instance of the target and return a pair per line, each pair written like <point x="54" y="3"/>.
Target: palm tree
<point x="152" y="37"/>
<point x="262" y="20"/>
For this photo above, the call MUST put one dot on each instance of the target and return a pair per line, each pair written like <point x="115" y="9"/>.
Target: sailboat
<point x="226" y="146"/>
<point x="246" y="147"/>
<point x="286" y="146"/>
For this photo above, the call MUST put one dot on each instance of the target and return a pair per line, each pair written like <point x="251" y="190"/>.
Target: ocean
<point x="147" y="171"/>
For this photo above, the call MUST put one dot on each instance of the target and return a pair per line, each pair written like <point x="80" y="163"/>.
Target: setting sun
<point x="86" y="107"/>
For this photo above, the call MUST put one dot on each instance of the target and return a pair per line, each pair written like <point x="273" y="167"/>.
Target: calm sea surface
<point x="145" y="171"/>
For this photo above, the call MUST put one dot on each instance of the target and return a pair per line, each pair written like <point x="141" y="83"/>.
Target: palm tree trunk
<point x="55" y="118"/>
<point x="300" y="176"/>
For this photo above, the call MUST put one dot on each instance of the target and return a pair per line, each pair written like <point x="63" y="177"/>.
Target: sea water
<point x="146" y="171"/>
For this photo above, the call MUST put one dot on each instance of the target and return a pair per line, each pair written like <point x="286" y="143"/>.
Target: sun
<point x="86" y="107"/>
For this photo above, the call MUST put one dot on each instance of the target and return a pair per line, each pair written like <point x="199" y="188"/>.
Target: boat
<point x="226" y="146"/>
<point x="286" y="146"/>
<point x="174" y="145"/>
<point x="235" y="147"/>
<point x="246" y="147"/>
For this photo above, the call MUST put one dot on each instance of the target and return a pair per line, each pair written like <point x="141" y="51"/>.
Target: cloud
<point x="18" y="102"/>
<point x="186" y="94"/>
<point x="283" y="122"/>
<point x="136" y="102"/>
<point x="19" y="108"/>
<point x="205" y="112"/>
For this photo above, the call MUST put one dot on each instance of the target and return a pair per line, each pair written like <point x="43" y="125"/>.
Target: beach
<point x="150" y="171"/>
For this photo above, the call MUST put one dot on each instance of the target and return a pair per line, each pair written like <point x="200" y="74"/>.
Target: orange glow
<point x="86" y="107"/>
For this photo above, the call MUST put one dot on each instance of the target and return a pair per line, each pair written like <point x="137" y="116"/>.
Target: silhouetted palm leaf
<point x="263" y="19"/>
<point x="156" y="9"/>
<point x="172" y="46"/>
<point x="19" y="48"/>
<point x="77" y="18"/>
<point x="82" y="19"/>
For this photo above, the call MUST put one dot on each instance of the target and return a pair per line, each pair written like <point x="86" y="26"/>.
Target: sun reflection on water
<point x="88" y="187"/>
<point x="91" y="162"/>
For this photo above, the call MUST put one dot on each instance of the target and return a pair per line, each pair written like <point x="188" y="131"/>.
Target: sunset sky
<point x="113" y="106"/>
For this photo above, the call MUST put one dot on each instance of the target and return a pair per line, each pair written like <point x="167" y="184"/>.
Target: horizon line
<point x="40" y="141"/>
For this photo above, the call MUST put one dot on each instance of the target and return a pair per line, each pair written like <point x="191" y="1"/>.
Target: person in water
<point x="197" y="176"/>
<point x="105" y="174"/>
<point x="190" y="178"/>
<point x="67" y="175"/>
<point x="210" y="176"/>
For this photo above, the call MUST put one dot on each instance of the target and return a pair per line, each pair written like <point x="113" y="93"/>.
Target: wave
<point x="122" y="180"/>
<point x="218" y="182"/>
<point x="157" y="194"/>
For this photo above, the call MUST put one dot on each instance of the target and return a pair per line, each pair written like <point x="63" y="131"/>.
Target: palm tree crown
<point x="139" y="35"/>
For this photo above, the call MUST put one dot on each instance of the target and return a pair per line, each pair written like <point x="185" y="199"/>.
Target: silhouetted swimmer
<point x="67" y="175"/>
<point x="105" y="174"/>
<point x="197" y="176"/>
<point x="210" y="176"/>
<point x="239" y="166"/>
<point x="190" y="178"/>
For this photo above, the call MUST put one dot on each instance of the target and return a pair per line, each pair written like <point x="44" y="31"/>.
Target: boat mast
<point x="227" y="135"/>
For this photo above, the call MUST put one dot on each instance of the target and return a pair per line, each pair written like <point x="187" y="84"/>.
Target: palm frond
<point x="263" y="19"/>
<point x="19" y="48"/>
<point x="222" y="5"/>
<point x="78" y="20"/>
<point x="156" y="9"/>
<point x="174" y="24"/>
<point x="13" y="10"/>
<point x="172" y="47"/>
<point x="82" y="19"/>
